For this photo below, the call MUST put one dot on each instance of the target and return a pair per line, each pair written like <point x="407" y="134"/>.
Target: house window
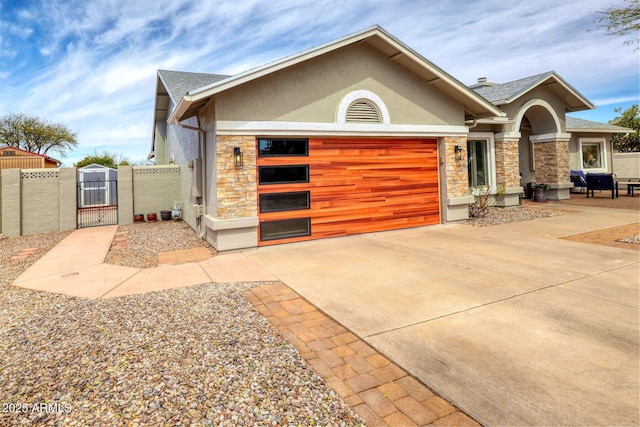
<point x="283" y="147"/>
<point x="278" y="202"/>
<point x="288" y="174"/>
<point x="285" y="228"/>
<point x="477" y="156"/>
<point x="592" y="154"/>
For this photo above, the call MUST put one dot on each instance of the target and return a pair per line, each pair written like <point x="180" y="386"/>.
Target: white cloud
<point x="99" y="58"/>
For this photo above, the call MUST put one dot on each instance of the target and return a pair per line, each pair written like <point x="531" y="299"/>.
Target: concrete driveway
<point x="511" y="323"/>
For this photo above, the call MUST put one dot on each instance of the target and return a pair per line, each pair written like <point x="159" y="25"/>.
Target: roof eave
<point x="596" y="130"/>
<point x="585" y="104"/>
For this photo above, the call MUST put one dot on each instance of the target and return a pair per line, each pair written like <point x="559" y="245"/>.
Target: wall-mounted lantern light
<point x="459" y="150"/>
<point x="237" y="157"/>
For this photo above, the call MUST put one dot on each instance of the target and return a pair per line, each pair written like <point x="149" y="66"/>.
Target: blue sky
<point x="92" y="64"/>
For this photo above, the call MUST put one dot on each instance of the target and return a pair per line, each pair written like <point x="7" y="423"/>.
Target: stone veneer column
<point x="235" y="224"/>
<point x="507" y="168"/>
<point x="455" y="180"/>
<point x="551" y="154"/>
<point x="237" y="190"/>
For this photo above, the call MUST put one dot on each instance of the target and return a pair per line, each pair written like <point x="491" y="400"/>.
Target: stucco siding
<point x="626" y="165"/>
<point x="539" y="119"/>
<point x="312" y="91"/>
<point x="155" y="188"/>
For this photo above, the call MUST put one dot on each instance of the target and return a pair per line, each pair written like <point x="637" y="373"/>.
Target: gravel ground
<point x="194" y="356"/>
<point x="497" y="216"/>
<point x="147" y="239"/>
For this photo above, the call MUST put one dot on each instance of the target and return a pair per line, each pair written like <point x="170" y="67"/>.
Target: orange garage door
<point x="346" y="186"/>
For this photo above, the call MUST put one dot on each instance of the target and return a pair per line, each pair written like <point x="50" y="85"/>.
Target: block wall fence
<point x="45" y="200"/>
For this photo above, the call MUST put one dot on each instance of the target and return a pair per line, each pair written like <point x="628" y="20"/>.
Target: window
<point x="283" y="174"/>
<point x="592" y="154"/>
<point x="477" y="163"/>
<point x="283" y="147"/>
<point x="278" y="202"/>
<point x="285" y="228"/>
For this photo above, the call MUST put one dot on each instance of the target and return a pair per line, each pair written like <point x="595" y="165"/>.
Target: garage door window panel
<point x="280" y="202"/>
<point x="285" y="229"/>
<point x="287" y="174"/>
<point x="283" y="147"/>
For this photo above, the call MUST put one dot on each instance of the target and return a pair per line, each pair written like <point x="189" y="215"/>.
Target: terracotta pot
<point x="151" y="217"/>
<point x="138" y="218"/>
<point x="165" y="215"/>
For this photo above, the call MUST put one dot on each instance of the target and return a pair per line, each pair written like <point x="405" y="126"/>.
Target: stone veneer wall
<point x="237" y="189"/>
<point x="507" y="163"/>
<point x="456" y="171"/>
<point x="552" y="161"/>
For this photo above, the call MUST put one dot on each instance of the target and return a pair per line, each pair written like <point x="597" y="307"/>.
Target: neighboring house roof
<point x="505" y="93"/>
<point x="575" y="124"/>
<point x="24" y="153"/>
<point x="396" y="51"/>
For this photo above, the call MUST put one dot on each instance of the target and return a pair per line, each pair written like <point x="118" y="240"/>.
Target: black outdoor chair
<point x="601" y="181"/>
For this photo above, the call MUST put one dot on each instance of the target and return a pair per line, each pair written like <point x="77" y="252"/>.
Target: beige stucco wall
<point x="38" y="201"/>
<point x="312" y="91"/>
<point x="155" y="188"/>
<point x="626" y="165"/>
<point x="538" y="116"/>
<point x="40" y="193"/>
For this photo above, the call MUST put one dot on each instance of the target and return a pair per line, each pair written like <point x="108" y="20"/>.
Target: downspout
<point x="202" y="151"/>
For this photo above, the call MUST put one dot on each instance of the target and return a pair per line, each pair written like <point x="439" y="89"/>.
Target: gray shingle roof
<point x="508" y="91"/>
<point x="178" y="83"/>
<point x="575" y="124"/>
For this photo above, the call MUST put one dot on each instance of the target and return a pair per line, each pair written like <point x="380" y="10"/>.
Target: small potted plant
<point x="540" y="192"/>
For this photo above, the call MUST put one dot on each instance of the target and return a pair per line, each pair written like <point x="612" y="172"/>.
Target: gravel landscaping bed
<point x="148" y="239"/>
<point x="497" y="216"/>
<point x="631" y="239"/>
<point x="194" y="356"/>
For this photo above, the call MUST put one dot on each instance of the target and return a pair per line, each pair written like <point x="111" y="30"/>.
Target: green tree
<point x="105" y="159"/>
<point x="621" y="20"/>
<point x="36" y="135"/>
<point x="629" y="118"/>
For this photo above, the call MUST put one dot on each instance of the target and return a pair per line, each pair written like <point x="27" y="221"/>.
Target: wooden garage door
<point x="354" y="186"/>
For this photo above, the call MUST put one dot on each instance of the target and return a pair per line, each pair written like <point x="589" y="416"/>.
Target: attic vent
<point x="9" y="153"/>
<point x="363" y="111"/>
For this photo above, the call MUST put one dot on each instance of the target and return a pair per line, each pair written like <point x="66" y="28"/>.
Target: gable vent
<point x="362" y="111"/>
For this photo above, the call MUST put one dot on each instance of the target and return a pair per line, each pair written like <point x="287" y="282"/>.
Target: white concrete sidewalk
<point x="76" y="267"/>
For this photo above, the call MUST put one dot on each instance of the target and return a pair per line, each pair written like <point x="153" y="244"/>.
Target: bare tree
<point x="36" y="135"/>
<point x="623" y="20"/>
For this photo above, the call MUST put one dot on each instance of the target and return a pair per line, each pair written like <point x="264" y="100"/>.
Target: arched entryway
<point x="543" y="149"/>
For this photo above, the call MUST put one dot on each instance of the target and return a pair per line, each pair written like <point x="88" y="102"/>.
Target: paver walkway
<point x="380" y="391"/>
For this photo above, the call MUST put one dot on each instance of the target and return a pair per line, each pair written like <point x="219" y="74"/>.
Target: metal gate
<point x="97" y="203"/>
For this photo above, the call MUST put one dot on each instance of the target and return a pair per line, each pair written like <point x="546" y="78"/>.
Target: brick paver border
<point x="609" y="236"/>
<point x="378" y="390"/>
